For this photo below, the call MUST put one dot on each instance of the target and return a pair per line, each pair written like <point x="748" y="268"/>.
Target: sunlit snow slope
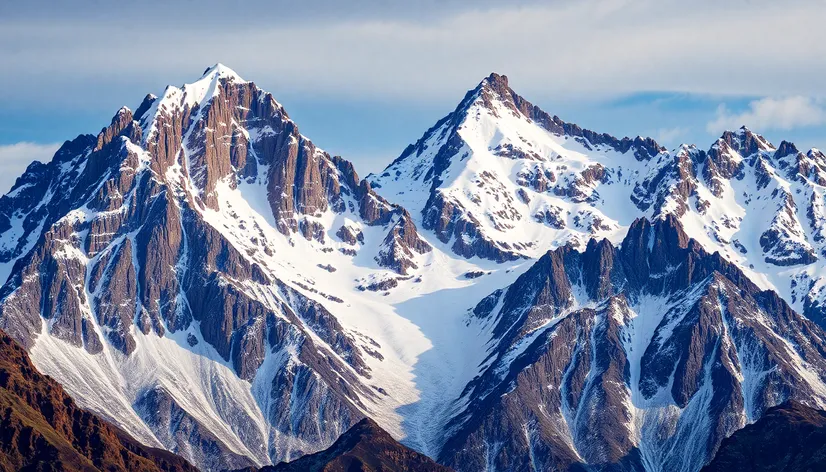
<point x="204" y="276"/>
<point x="499" y="178"/>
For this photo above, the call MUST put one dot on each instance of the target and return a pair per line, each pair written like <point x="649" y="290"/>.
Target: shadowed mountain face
<point x="788" y="438"/>
<point x="639" y="357"/>
<point x="500" y="179"/>
<point x="161" y="241"/>
<point x="41" y="427"/>
<point x="363" y="448"/>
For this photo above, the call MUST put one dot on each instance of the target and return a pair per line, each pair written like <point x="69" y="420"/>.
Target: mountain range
<point x="513" y="292"/>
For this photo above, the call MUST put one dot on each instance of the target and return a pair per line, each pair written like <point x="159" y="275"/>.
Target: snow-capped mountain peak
<point x="220" y="70"/>
<point x="501" y="179"/>
<point x="204" y="276"/>
<point x="206" y="234"/>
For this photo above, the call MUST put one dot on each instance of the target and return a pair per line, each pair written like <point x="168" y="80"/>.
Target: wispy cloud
<point x="670" y="136"/>
<point x="14" y="158"/>
<point x="570" y="57"/>
<point x="588" y="48"/>
<point x="771" y="113"/>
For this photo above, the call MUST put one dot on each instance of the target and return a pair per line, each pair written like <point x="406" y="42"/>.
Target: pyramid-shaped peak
<point x="745" y="141"/>
<point x="495" y="83"/>
<point x="367" y="426"/>
<point x="221" y="71"/>
<point x="495" y="78"/>
<point x="199" y="91"/>
<point x="786" y="148"/>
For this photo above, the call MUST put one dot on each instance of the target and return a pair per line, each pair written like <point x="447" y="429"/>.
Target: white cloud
<point x="771" y="113"/>
<point x="554" y="50"/>
<point x="670" y="136"/>
<point x="14" y="158"/>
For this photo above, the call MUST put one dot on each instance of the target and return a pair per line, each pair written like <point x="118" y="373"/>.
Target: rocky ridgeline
<point x="152" y="268"/>
<point x="642" y="357"/>
<point x="113" y="232"/>
<point x="500" y="179"/>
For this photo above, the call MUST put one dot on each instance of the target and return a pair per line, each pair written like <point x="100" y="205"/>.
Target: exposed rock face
<point x="500" y="179"/>
<point x="461" y="172"/>
<point x="146" y="232"/>
<point x="789" y="437"/>
<point x="450" y="220"/>
<point x="401" y="244"/>
<point x="202" y="275"/>
<point x="672" y="179"/>
<point x="496" y="88"/>
<point x="364" y="447"/>
<point x="643" y="357"/>
<point x="43" y="429"/>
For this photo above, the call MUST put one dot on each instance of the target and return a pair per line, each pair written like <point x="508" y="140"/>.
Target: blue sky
<point x="365" y="78"/>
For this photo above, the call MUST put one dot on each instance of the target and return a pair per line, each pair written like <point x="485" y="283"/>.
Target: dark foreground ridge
<point x="364" y="447"/>
<point x="42" y="429"/>
<point x="789" y="438"/>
